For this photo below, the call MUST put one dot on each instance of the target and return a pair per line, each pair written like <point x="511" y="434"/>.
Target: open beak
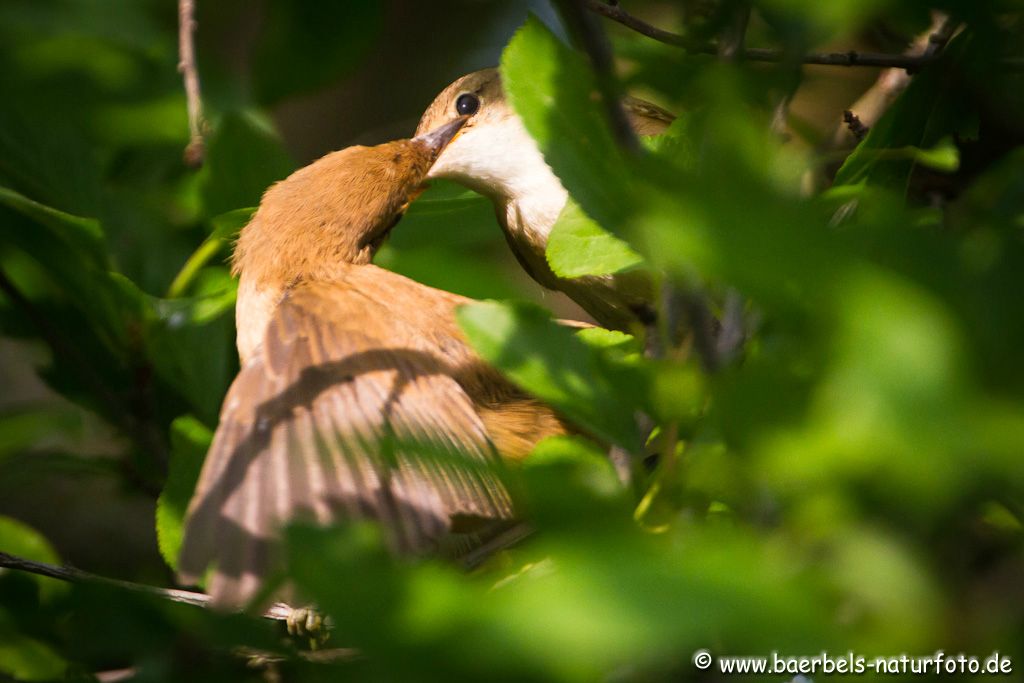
<point x="437" y="139"/>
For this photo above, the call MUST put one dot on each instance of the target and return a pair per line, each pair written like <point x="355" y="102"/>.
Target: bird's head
<point x="337" y="210"/>
<point x="494" y="154"/>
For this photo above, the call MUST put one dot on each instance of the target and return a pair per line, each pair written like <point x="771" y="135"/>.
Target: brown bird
<point x="495" y="156"/>
<point x="358" y="396"/>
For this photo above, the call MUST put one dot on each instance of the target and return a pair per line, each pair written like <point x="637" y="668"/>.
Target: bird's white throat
<point x="501" y="161"/>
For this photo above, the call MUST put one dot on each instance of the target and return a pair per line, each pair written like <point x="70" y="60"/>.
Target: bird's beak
<point x="437" y="139"/>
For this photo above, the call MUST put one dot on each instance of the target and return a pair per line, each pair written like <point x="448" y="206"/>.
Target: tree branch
<point x="849" y="58"/>
<point x="196" y="150"/>
<point x="278" y="611"/>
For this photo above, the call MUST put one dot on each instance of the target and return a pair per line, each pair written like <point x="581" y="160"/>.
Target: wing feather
<point x="330" y="422"/>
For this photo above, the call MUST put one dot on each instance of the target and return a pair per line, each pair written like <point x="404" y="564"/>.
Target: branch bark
<point x="278" y="611"/>
<point x="196" y="149"/>
<point x="849" y="58"/>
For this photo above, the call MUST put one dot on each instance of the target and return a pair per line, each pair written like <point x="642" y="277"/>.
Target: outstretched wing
<point x="338" y="416"/>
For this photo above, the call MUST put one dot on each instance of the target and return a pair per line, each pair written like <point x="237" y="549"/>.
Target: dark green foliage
<point x="852" y="480"/>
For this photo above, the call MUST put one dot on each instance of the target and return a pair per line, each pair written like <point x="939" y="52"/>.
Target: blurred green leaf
<point x="190" y="440"/>
<point x="944" y="156"/>
<point x="83" y="235"/>
<point x="22" y="428"/>
<point x="27" y="659"/>
<point x="21" y="540"/>
<point x="548" y="361"/>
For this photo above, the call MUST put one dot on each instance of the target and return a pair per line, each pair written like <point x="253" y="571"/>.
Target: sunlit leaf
<point x="550" y="88"/>
<point x="578" y="246"/>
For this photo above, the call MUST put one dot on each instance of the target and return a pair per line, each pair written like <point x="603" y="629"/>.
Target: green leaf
<point x="71" y="251"/>
<point x="600" y="338"/>
<point x="550" y="362"/>
<point x="23" y="428"/>
<point x="84" y="235"/>
<point x="551" y="88"/>
<point x="591" y="469"/>
<point x="944" y="156"/>
<point x="578" y="246"/>
<point x="27" y="659"/>
<point x="21" y="540"/>
<point x="190" y="440"/>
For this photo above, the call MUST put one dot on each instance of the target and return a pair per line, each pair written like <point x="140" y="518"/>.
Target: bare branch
<point x="856" y="127"/>
<point x="196" y="150"/>
<point x="849" y="58"/>
<point x="278" y="611"/>
<point x="616" y="13"/>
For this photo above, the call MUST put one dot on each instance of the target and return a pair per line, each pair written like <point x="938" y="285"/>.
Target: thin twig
<point x="278" y="611"/>
<point x="731" y="43"/>
<point x="588" y="34"/>
<point x="856" y="127"/>
<point x="849" y="58"/>
<point x="616" y="13"/>
<point x="877" y="99"/>
<point x="195" y="151"/>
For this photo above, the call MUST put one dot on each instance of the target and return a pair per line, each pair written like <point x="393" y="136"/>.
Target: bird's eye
<point x="467" y="104"/>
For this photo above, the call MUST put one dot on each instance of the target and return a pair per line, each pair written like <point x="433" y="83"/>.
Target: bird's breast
<point x="253" y="309"/>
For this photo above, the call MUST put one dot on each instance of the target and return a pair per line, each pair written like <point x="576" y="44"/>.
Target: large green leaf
<point x="71" y="251"/>
<point x="549" y="361"/>
<point x="578" y="246"/>
<point x="551" y="88"/>
<point x="83" y="235"/>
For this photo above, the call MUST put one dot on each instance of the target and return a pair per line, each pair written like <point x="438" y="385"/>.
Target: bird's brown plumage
<point x="358" y="397"/>
<point x="497" y="157"/>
